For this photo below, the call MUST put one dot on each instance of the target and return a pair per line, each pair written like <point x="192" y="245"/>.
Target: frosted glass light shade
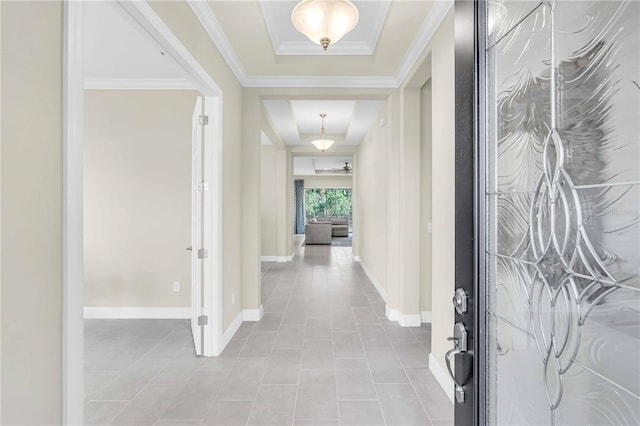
<point x="322" y="144"/>
<point x="324" y="21"/>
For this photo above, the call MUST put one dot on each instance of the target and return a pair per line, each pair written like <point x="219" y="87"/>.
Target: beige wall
<point x="273" y="202"/>
<point x="181" y="20"/>
<point x="269" y="201"/>
<point x="31" y="199"/>
<point x="336" y="182"/>
<point x="443" y="178"/>
<point x="289" y="204"/>
<point x="137" y="197"/>
<point x="370" y="200"/>
<point x="251" y="199"/>
<point x="425" y="196"/>
<point x="397" y="168"/>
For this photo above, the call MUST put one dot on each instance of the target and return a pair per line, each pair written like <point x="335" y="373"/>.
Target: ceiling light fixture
<point x="322" y="144"/>
<point x="324" y="21"/>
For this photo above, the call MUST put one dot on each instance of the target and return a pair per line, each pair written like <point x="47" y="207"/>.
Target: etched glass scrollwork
<point x="563" y="212"/>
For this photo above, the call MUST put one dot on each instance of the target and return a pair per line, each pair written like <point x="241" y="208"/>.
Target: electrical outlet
<point x="233" y="298"/>
<point x="176" y="286"/>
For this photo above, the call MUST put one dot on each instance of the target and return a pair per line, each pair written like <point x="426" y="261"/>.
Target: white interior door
<point x="196" y="224"/>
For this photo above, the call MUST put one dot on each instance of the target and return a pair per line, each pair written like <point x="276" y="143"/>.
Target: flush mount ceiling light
<point x="324" y="21"/>
<point x="322" y="144"/>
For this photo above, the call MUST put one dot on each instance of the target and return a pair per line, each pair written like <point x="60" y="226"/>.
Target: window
<point x="328" y="203"/>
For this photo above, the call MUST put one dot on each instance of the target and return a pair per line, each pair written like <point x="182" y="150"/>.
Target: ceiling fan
<point x="346" y="169"/>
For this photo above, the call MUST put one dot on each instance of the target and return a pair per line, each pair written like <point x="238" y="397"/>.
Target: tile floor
<point x="324" y="354"/>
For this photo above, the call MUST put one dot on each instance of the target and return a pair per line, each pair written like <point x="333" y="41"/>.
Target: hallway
<point x="324" y="354"/>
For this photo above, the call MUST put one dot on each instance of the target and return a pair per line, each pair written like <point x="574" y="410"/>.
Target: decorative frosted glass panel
<point x="563" y="212"/>
<point x="518" y="404"/>
<point x="519" y="81"/>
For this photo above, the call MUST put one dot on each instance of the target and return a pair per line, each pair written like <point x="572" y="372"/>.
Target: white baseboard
<point x="279" y="259"/>
<point x="409" y="320"/>
<point x="442" y="376"/>
<point x="252" y="314"/>
<point x="136" y="313"/>
<point x="405" y="320"/>
<point x="372" y="278"/>
<point x="231" y="331"/>
<point x="391" y="314"/>
<point x="425" y="317"/>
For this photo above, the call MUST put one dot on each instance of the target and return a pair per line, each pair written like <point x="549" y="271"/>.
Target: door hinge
<point x="203" y="120"/>
<point x="203" y="253"/>
<point x="203" y="320"/>
<point x="203" y="186"/>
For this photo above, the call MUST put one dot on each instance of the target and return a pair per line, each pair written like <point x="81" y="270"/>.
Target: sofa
<point x="317" y="233"/>
<point x="321" y="226"/>
<point x="339" y="226"/>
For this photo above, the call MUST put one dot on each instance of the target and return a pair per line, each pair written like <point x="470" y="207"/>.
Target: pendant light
<point x="324" y="21"/>
<point x="322" y="144"/>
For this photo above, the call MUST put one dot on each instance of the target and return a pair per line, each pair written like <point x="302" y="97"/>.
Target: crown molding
<point x="307" y="47"/>
<point x="342" y="48"/>
<point x="138" y="84"/>
<point x="322" y="81"/>
<point x="211" y="25"/>
<point x="427" y="30"/>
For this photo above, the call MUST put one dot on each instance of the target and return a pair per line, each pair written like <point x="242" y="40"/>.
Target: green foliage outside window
<point x="328" y="203"/>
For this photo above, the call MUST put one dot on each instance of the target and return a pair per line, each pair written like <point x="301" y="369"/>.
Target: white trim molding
<point x="372" y="278"/>
<point x="409" y="320"/>
<point x="425" y="317"/>
<point x="391" y="314"/>
<point x="72" y="216"/>
<point x="253" y="314"/>
<point x="231" y="331"/>
<point x="345" y="47"/>
<point x="436" y="15"/>
<point x="404" y="320"/>
<point x="213" y="28"/>
<point x="149" y="21"/>
<point x="91" y="312"/>
<point x="138" y="84"/>
<point x="278" y="259"/>
<point x="441" y="375"/>
<point x="323" y="82"/>
<point x="211" y="25"/>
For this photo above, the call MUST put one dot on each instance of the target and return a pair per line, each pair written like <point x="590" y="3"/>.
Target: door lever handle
<point x="190" y="248"/>
<point x="459" y="340"/>
<point x="448" y="357"/>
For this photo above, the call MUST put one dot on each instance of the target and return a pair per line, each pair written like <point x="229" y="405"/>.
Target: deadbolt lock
<point x="460" y="301"/>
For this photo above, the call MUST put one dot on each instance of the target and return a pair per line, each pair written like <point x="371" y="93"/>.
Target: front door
<point x="551" y="267"/>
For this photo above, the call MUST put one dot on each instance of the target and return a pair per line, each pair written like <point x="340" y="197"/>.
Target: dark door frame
<point x="470" y="25"/>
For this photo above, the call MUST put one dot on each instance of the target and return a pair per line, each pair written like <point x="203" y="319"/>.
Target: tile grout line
<point x="404" y="370"/>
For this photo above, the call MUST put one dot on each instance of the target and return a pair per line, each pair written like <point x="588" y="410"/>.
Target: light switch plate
<point x="176" y="286"/>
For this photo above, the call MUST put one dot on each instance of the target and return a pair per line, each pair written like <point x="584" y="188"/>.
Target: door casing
<point x="72" y="226"/>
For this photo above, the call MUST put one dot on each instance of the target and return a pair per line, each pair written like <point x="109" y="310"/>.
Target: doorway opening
<point x="147" y="22"/>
